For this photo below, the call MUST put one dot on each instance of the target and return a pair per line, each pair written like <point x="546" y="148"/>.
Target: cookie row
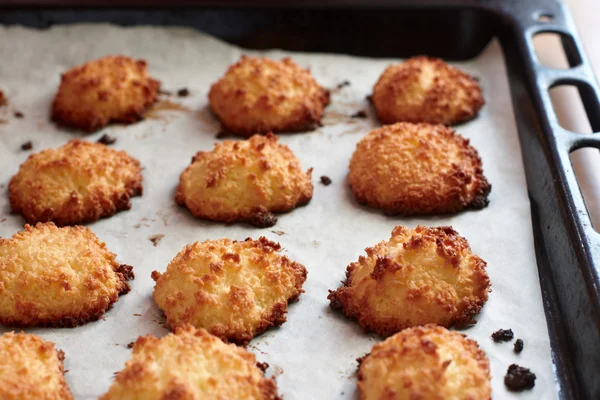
<point x="405" y="168"/>
<point x="260" y="95"/>
<point x="235" y="290"/>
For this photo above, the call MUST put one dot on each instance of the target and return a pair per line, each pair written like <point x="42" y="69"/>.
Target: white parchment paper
<point x="313" y="354"/>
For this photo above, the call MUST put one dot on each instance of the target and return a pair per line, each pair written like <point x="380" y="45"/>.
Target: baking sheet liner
<point x="313" y="354"/>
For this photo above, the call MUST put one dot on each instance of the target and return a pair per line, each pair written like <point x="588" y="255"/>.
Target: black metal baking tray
<point x="567" y="246"/>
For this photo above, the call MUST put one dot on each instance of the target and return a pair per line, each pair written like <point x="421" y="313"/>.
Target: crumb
<point x="3" y="99"/>
<point x="502" y="335"/>
<point x="137" y="315"/>
<point x="280" y="233"/>
<point x="27" y="146"/>
<point x="359" y="114"/>
<point x="343" y="84"/>
<point x="325" y="180"/>
<point x="370" y="98"/>
<point x="262" y="366"/>
<point x="19" y="114"/>
<point x="184" y="92"/>
<point x="107" y="140"/>
<point x="2" y="220"/>
<point x="263" y="219"/>
<point x="164" y="92"/>
<point x="156" y="238"/>
<point x="518" y="378"/>
<point x="130" y="345"/>
<point x="65" y="371"/>
<point x="518" y="346"/>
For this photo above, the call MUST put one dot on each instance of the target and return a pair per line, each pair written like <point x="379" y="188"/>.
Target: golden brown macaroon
<point x="259" y="95"/>
<point x="244" y="181"/>
<point x="31" y="369"/>
<point x="110" y="89"/>
<point x="60" y="277"/>
<point x="425" y="89"/>
<point x="75" y="183"/>
<point x="417" y="169"/>
<point x="420" y="276"/>
<point x="425" y="363"/>
<point x="235" y="290"/>
<point x="192" y="365"/>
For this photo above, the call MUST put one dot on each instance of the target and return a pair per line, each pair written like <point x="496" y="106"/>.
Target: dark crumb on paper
<point x="518" y="346"/>
<point x="262" y="366"/>
<point x="263" y="219"/>
<point x="2" y="220"/>
<point x="184" y="92"/>
<point x="137" y="315"/>
<point x="280" y="233"/>
<point x="65" y="371"/>
<point x="19" y="114"/>
<point x="116" y="373"/>
<point x="325" y="180"/>
<point x="370" y="98"/>
<point x="502" y="335"/>
<point x="343" y="84"/>
<point x="130" y="345"/>
<point x="164" y="92"/>
<point x="156" y="238"/>
<point x="27" y="146"/>
<point x="107" y="140"/>
<point x="518" y="378"/>
<point x="359" y="114"/>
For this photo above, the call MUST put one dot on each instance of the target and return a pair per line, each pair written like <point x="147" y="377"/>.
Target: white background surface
<point x="315" y="351"/>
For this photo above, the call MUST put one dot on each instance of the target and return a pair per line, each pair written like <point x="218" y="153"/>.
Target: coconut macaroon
<point x="425" y="89"/>
<point x="190" y="364"/>
<point x="110" y="89"/>
<point x="428" y="362"/>
<point x="60" y="277"/>
<point x="31" y="369"/>
<point x="235" y="290"/>
<point x="420" y="276"/>
<point x="417" y="169"/>
<point x="75" y="183"/>
<point x="244" y="181"/>
<point x="259" y="95"/>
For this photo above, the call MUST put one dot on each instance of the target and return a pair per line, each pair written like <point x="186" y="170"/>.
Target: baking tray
<point x="567" y="246"/>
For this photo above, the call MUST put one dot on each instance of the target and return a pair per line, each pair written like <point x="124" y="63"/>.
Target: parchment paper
<point x="313" y="354"/>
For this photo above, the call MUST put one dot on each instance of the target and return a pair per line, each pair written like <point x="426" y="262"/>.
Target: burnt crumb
<point x="137" y="315"/>
<point x="263" y="219"/>
<point x="325" y="180"/>
<point x="518" y="346"/>
<point x="343" y="84"/>
<point x="262" y="366"/>
<point x="280" y="233"/>
<point x="19" y="114"/>
<point x="359" y="114"/>
<point x="156" y="238"/>
<point x="518" y="378"/>
<point x="360" y="360"/>
<point x="65" y="371"/>
<point x="183" y="92"/>
<point x="502" y="335"/>
<point x="107" y="140"/>
<point x="27" y="146"/>
<point x="164" y="92"/>
<point x="130" y="345"/>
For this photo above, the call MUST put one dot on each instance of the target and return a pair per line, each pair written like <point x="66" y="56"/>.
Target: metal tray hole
<point x="585" y="163"/>
<point x="544" y="17"/>
<point x="556" y="50"/>
<point x="576" y="107"/>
